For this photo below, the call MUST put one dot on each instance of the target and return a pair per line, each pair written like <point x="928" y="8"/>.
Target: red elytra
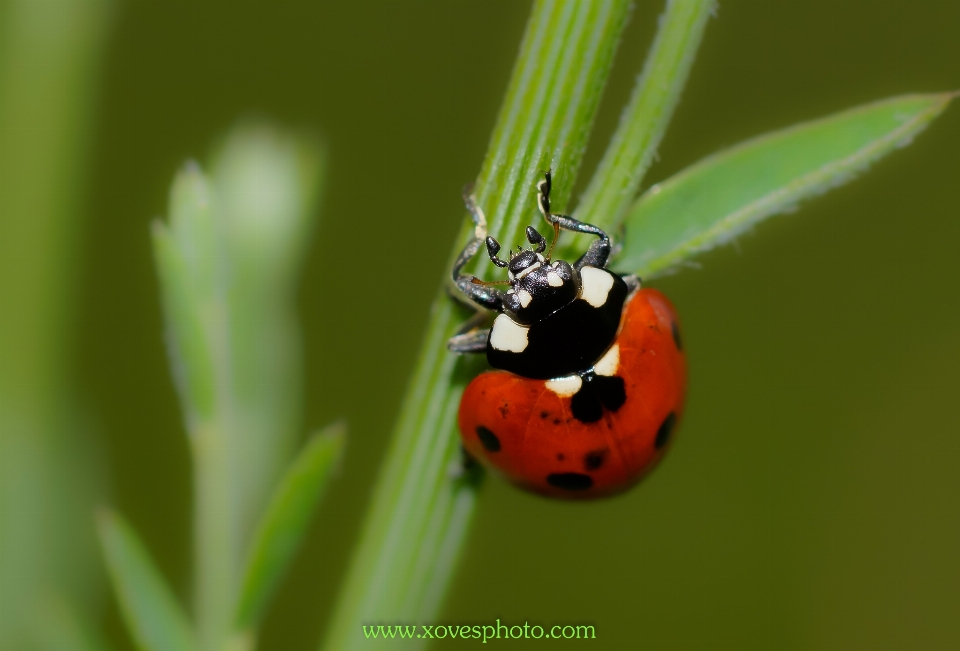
<point x="525" y="431"/>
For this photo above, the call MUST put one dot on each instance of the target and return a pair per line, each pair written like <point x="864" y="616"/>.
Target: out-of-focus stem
<point x="48" y="72"/>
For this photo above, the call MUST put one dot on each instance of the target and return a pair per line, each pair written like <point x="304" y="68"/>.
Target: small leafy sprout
<point x="233" y="354"/>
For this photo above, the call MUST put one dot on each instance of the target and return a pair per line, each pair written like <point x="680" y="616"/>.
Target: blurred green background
<point x="811" y="500"/>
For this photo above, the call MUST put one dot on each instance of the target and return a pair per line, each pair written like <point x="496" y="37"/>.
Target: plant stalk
<point x="644" y="120"/>
<point x="422" y="507"/>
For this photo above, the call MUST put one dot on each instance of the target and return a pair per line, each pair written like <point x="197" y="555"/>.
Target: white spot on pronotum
<point x="554" y="279"/>
<point x="507" y="335"/>
<point x="565" y="386"/>
<point x="609" y="363"/>
<point x="531" y="268"/>
<point x="596" y="285"/>
<point x="524" y="297"/>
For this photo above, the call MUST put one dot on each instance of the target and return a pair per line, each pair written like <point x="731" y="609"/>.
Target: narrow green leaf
<point x="285" y="522"/>
<point x="190" y="358"/>
<point x="617" y="180"/>
<point x="718" y="198"/>
<point x="152" y="613"/>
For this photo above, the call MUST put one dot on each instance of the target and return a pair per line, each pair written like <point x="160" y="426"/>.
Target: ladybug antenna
<point x="493" y="248"/>
<point x="537" y="243"/>
<point x="487" y="283"/>
<point x="543" y="201"/>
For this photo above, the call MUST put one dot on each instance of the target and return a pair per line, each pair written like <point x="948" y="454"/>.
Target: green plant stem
<point x="417" y="522"/>
<point x="214" y="543"/>
<point x="49" y="474"/>
<point x="632" y="148"/>
<point x="190" y="257"/>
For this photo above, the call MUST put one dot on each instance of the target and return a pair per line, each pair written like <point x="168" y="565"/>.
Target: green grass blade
<point x="285" y="522"/>
<point x="150" y="609"/>
<point x="633" y="146"/>
<point x="420" y="511"/>
<point x="715" y="200"/>
<point x="184" y="282"/>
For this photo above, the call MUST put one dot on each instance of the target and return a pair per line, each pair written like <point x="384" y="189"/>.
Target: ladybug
<point x="590" y="374"/>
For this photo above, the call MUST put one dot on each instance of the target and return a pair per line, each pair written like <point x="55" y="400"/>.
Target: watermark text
<point x="483" y="633"/>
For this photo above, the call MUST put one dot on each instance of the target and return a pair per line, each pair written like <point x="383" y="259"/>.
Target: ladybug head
<point x="537" y="286"/>
<point x="524" y="261"/>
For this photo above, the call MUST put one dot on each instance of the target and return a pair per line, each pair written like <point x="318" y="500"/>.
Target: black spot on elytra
<point x="570" y="481"/>
<point x="611" y="391"/>
<point x="597" y="392"/>
<point x="544" y="414"/>
<point x="504" y="410"/>
<point x="560" y="456"/>
<point x="586" y="406"/>
<point x="675" y="330"/>
<point x="488" y="439"/>
<point x="666" y="429"/>
<point x="557" y="421"/>
<point x="593" y="460"/>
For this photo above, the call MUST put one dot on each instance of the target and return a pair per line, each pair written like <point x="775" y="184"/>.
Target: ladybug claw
<point x="460" y="468"/>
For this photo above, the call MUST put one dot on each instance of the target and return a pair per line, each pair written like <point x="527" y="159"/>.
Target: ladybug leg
<point x="480" y="293"/>
<point x="599" y="251"/>
<point x="465" y="468"/>
<point x="617" y="246"/>
<point x="479" y="319"/>
<point x="485" y="296"/>
<point x="470" y="338"/>
<point x="479" y="233"/>
<point x="543" y="201"/>
<point x="474" y="341"/>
